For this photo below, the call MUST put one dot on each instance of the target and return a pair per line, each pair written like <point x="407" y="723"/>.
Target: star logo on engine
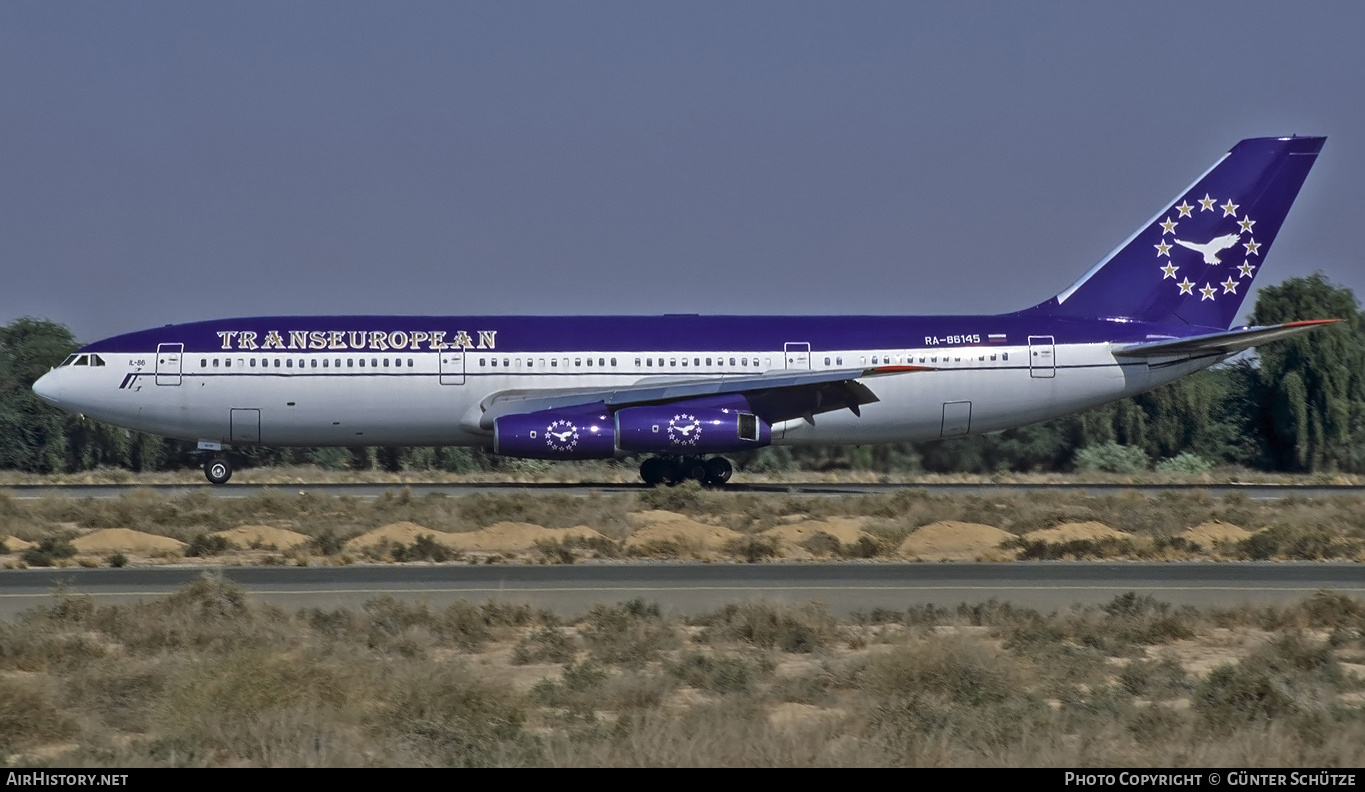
<point x="684" y="429"/>
<point x="561" y="435"/>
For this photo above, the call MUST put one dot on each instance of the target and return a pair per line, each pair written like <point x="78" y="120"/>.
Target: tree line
<point x="1297" y="406"/>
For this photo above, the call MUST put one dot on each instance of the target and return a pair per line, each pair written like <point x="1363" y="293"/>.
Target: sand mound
<point x="665" y="526"/>
<point x="404" y="533"/>
<point x="1070" y="532"/>
<point x="1207" y="534"/>
<point x="15" y="544"/>
<point x="124" y="540"/>
<point x="950" y="540"/>
<point x="515" y="536"/>
<point x="848" y="530"/>
<point x="245" y="537"/>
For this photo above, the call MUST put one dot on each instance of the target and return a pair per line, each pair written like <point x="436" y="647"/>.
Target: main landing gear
<point x="217" y="470"/>
<point x="675" y="470"/>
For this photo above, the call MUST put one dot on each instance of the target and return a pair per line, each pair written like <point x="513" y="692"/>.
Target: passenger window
<point x="874" y="360"/>
<point x="826" y="361"/>
<point x="637" y="362"/>
<point x="215" y="362"/>
<point x="839" y="361"/>
<point x="324" y="362"/>
<point x="554" y="363"/>
<point x="277" y="362"/>
<point x="732" y="361"/>
<point x="289" y="363"/>
<point x="253" y="362"/>
<point x="613" y="362"/>
<point x="409" y="362"/>
<point x="204" y="362"/>
<point x="350" y="362"/>
<point x="482" y="362"/>
<point x="362" y="362"/>
<point x="743" y="361"/>
<point x="602" y="362"/>
<point x="649" y="362"/>
<point x="578" y="362"/>
<point x="505" y="362"/>
<point x="386" y="362"/>
<point x="1004" y="356"/>
<point x="227" y="363"/>
<point x="374" y="362"/>
<point x="589" y="362"/>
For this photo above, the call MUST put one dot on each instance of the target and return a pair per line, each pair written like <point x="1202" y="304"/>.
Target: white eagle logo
<point x="1212" y="248"/>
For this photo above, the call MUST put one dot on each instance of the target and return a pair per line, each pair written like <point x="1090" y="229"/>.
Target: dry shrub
<point x="629" y="634"/>
<point x="788" y="628"/>
<point x="449" y="719"/>
<point x="29" y="716"/>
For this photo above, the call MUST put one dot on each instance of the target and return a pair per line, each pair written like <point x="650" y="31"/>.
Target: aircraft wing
<point x="775" y="396"/>
<point x="1226" y="343"/>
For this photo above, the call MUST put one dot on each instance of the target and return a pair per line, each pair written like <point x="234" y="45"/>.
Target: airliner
<point x="684" y="390"/>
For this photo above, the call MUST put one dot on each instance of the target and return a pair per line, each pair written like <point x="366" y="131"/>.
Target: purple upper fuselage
<point x="631" y="333"/>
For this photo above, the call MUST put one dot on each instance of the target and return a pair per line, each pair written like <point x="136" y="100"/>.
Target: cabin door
<point x="1040" y="357"/>
<point x="452" y="367"/>
<point x="168" y="358"/>
<point x="246" y="426"/>
<point x="957" y="419"/>
<point x="797" y="354"/>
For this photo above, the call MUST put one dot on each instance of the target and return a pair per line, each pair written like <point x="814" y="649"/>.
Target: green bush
<point x="1186" y="463"/>
<point x="1112" y="458"/>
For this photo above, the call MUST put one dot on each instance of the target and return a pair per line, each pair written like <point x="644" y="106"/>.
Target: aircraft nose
<point x="47" y="389"/>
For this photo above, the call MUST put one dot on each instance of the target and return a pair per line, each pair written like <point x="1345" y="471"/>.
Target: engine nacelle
<point x="583" y="433"/>
<point x="690" y="428"/>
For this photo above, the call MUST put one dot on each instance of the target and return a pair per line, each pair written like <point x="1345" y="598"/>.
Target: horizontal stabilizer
<point x="1227" y="343"/>
<point x="804" y="392"/>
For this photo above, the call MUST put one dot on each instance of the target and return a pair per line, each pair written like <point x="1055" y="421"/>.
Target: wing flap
<point x="1226" y="343"/>
<point x="783" y="394"/>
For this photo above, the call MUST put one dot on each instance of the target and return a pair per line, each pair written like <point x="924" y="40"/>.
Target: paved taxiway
<point x="695" y="588"/>
<point x="1252" y="491"/>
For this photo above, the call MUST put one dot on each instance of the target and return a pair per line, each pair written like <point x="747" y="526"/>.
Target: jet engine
<point x="698" y="426"/>
<point x="582" y="433"/>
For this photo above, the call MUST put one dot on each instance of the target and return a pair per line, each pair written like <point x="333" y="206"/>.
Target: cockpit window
<point x="82" y="360"/>
<point x="96" y="360"/>
<point x="69" y="360"/>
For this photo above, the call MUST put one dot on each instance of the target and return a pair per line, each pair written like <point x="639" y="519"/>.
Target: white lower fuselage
<point x="434" y="398"/>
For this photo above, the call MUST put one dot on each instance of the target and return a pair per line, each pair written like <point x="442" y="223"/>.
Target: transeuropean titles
<point x="368" y="340"/>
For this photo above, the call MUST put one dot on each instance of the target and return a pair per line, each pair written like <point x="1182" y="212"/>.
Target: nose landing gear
<point x="217" y="470"/>
<point x="675" y="470"/>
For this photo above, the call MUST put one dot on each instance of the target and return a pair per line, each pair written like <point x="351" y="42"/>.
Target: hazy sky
<point x="172" y="161"/>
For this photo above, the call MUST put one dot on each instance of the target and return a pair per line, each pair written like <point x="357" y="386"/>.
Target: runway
<point x="367" y="491"/>
<point x="691" y="588"/>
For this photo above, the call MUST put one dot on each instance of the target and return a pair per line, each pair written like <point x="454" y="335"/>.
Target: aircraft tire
<point x="652" y="471"/>
<point x="218" y="470"/>
<point x="693" y="468"/>
<point x="718" y="471"/>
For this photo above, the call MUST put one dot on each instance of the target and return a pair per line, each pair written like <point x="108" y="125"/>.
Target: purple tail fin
<point x="1194" y="262"/>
